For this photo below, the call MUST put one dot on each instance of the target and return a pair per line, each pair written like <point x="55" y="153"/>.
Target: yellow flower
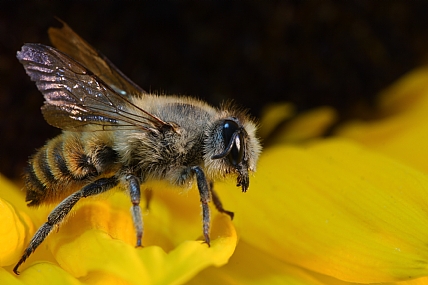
<point x="97" y="244"/>
<point x="351" y="208"/>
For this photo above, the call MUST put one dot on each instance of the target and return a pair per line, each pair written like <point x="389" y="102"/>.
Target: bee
<point x="116" y="134"/>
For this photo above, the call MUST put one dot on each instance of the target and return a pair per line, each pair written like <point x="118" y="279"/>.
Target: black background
<point x="312" y="53"/>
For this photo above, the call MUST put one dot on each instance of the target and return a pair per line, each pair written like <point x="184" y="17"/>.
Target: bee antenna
<point x="227" y="150"/>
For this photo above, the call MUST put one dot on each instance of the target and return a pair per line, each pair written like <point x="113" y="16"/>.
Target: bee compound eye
<point x="236" y="154"/>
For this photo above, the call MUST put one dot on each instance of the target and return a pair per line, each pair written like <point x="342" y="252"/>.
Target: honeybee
<point x="116" y="134"/>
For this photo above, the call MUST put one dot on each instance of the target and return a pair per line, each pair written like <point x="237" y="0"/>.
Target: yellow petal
<point x="272" y="116"/>
<point x="418" y="281"/>
<point x="401" y="130"/>
<point x="17" y="226"/>
<point x="42" y="273"/>
<point x="12" y="234"/>
<point x="8" y="278"/>
<point x="99" y="239"/>
<point x="338" y="209"/>
<point x="250" y="266"/>
<point x="45" y="273"/>
<point x="13" y="226"/>
<point x="103" y="278"/>
<point x="306" y="126"/>
<point x="406" y="95"/>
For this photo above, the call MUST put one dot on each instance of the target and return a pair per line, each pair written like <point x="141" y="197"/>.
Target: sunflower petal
<point x="400" y="130"/>
<point x="272" y="116"/>
<point x="46" y="273"/>
<point x="13" y="225"/>
<point x="306" y="126"/>
<point x="251" y="266"/>
<point x="99" y="240"/>
<point x="12" y="234"/>
<point x="338" y="209"/>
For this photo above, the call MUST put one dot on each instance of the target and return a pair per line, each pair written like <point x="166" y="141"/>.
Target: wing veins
<point x="74" y="91"/>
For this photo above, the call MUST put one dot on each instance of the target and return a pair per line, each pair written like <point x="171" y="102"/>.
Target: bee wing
<point x="67" y="41"/>
<point x="75" y="97"/>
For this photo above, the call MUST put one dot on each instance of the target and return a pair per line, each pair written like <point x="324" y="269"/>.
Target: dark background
<point x="312" y="53"/>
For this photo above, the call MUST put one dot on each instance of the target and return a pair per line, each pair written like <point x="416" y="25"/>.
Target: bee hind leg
<point x="60" y="212"/>
<point x="133" y="185"/>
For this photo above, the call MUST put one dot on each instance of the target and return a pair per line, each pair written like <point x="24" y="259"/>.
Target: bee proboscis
<point x="115" y="133"/>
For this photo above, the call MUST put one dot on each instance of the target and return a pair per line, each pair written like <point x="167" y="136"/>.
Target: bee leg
<point x="134" y="192"/>
<point x="204" y="192"/>
<point x="58" y="214"/>
<point x="148" y="194"/>
<point x="217" y="202"/>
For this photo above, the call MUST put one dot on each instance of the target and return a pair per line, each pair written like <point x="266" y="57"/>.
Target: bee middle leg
<point x="137" y="217"/>
<point x="204" y="192"/>
<point x="60" y="212"/>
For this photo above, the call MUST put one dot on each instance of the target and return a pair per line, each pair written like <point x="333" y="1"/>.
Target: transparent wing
<point x="75" y="97"/>
<point x="67" y="41"/>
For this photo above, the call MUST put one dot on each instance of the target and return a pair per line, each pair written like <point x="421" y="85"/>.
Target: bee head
<point x="232" y="147"/>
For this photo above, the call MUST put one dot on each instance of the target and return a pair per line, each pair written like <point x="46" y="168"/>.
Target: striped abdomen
<point x="67" y="163"/>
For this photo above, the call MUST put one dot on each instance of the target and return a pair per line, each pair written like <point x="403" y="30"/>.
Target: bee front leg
<point x="218" y="204"/>
<point x="148" y="194"/>
<point x="204" y="192"/>
<point x="134" y="191"/>
<point x="60" y="212"/>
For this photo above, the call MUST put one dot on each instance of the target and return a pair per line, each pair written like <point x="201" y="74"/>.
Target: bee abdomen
<point x="62" y="166"/>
